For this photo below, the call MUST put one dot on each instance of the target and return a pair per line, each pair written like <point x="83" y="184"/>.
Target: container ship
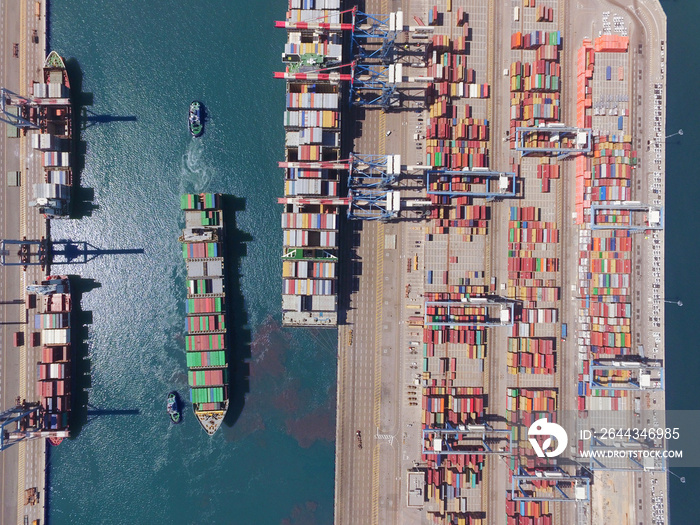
<point x="54" y="115"/>
<point x="52" y="299"/>
<point x="313" y="167"/>
<point x="205" y="323"/>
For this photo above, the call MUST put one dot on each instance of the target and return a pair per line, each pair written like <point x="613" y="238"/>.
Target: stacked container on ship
<point x="53" y="318"/>
<point x="312" y="163"/>
<point x="205" y="323"/>
<point x="54" y="139"/>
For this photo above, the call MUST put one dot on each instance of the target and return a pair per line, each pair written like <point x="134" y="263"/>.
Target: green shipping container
<point x="211" y="359"/>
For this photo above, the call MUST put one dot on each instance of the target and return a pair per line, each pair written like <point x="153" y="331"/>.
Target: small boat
<point x="195" y="120"/>
<point x="173" y="407"/>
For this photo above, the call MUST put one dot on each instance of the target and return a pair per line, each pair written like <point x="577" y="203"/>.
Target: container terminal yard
<point x="474" y="196"/>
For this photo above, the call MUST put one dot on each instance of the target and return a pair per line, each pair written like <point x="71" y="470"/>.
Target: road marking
<point x="385" y="437"/>
<point x="379" y="315"/>
<point x="379" y="285"/>
<point x="375" y="484"/>
<point x="21" y="481"/>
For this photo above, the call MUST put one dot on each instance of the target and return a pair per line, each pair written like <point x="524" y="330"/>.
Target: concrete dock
<point x="23" y="466"/>
<point x="380" y="371"/>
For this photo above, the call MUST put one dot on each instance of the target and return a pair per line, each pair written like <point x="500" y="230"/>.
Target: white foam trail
<point x="195" y="172"/>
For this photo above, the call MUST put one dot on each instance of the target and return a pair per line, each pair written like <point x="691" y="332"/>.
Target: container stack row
<point x="462" y="220"/>
<point x="544" y="14"/>
<point x="206" y="339"/>
<point x="524" y="406"/>
<point x="457" y="153"/>
<point x="310" y="212"/>
<point x="449" y="477"/>
<point x="528" y="512"/>
<point x="454" y="139"/>
<point x="462" y="518"/>
<point x="611" y="169"/>
<point x="531" y="267"/>
<point x="605" y="275"/>
<point x="531" y="355"/>
<point x="471" y="340"/>
<point x="451" y="185"/>
<point x="457" y="137"/>
<point x="456" y="405"/>
<point x="546" y="172"/>
<point x="52" y="196"/>
<point x="535" y="84"/>
<point x="584" y="84"/>
<point x="537" y="40"/>
<point x="456" y="122"/>
<point x="54" y="371"/>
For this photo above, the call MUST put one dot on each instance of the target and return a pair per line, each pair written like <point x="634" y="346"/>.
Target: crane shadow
<point x="90" y="119"/>
<point x="64" y="251"/>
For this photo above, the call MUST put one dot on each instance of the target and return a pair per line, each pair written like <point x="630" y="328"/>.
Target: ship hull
<point x="195" y="121"/>
<point x="206" y="330"/>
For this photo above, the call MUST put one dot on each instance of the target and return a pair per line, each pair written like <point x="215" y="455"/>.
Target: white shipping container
<point x="303" y="269"/>
<point x="292" y="139"/>
<point x="195" y="268"/>
<point x="59" y="336"/>
<point x="40" y="90"/>
<point x="524" y="330"/>
<point x="51" y="191"/>
<point x="328" y="239"/>
<point x="324" y="303"/>
<point x="291" y="303"/>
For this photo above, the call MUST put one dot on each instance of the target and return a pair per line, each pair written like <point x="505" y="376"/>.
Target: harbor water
<point x="682" y="248"/>
<point x="273" y="459"/>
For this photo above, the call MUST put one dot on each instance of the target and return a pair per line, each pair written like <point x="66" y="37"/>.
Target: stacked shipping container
<point x="606" y="287"/>
<point x="530" y="271"/>
<point x="528" y="512"/>
<point x="471" y="339"/>
<point x="454" y="139"/>
<point x="54" y="139"/>
<point x="54" y="375"/>
<point x="535" y="86"/>
<point x="448" y="477"/>
<point x="205" y="324"/>
<point x="312" y="120"/>
<point x="531" y="355"/>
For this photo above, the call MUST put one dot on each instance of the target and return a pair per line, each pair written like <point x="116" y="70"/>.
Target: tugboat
<point x="173" y="407"/>
<point x="195" y="120"/>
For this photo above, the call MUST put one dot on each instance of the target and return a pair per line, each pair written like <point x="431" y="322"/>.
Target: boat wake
<point x="196" y="175"/>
